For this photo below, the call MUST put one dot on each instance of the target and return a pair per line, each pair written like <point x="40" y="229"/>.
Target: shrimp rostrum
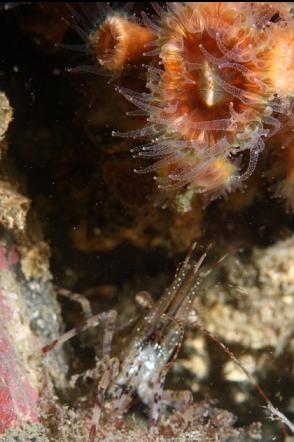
<point x="139" y="372"/>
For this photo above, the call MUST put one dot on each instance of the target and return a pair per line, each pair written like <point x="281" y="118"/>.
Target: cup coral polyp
<point x="119" y="42"/>
<point x="217" y="88"/>
<point x="220" y="82"/>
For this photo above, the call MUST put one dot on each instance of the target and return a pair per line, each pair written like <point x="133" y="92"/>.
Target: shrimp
<point x="139" y="372"/>
<point x="155" y="345"/>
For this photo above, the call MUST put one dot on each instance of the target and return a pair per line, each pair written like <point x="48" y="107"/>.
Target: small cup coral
<point x="119" y="41"/>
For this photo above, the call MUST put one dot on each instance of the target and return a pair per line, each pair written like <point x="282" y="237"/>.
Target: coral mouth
<point x="204" y="87"/>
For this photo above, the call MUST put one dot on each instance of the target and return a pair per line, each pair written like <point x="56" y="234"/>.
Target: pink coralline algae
<point x="17" y="397"/>
<point x="7" y="258"/>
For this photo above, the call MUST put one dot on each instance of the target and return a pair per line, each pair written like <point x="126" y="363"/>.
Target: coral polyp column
<point x="119" y="41"/>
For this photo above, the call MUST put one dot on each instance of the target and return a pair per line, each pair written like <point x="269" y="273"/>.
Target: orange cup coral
<point x="219" y="80"/>
<point x="119" y="42"/>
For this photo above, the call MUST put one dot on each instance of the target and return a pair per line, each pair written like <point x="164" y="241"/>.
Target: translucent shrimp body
<point x="139" y="372"/>
<point x="155" y="342"/>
